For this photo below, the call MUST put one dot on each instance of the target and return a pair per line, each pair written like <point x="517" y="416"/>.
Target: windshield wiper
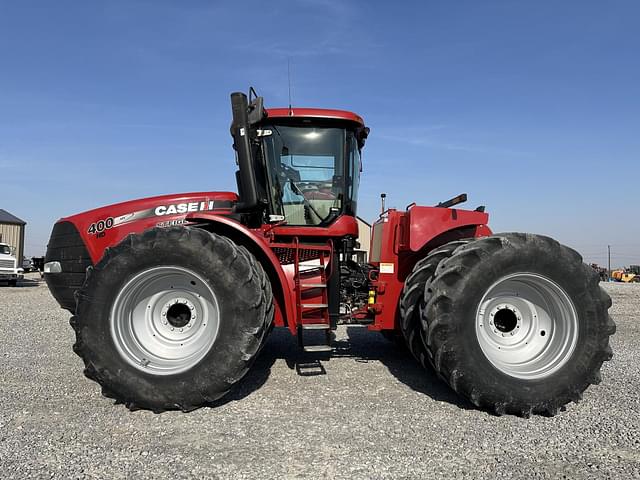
<point x="306" y="202"/>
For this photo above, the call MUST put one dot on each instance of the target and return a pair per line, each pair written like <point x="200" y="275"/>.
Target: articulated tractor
<point x="173" y="296"/>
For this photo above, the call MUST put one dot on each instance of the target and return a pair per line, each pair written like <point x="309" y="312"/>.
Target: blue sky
<point x="532" y="108"/>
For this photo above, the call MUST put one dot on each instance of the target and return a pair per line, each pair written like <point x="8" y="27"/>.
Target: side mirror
<point x="257" y="113"/>
<point x="362" y="135"/>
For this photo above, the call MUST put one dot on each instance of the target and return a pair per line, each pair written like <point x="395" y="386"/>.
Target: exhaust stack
<point x="242" y="144"/>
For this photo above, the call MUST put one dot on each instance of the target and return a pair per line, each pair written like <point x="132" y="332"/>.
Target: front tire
<point x="172" y="318"/>
<point x="516" y="323"/>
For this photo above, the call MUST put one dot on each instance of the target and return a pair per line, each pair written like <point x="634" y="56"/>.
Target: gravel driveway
<point x="375" y="414"/>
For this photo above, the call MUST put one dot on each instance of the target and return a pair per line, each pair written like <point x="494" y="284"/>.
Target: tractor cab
<point x="302" y="166"/>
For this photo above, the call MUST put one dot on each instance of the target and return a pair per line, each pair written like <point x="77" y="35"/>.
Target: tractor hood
<point x="106" y="226"/>
<point x="79" y="241"/>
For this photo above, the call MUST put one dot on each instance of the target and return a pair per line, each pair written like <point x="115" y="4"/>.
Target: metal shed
<point x="12" y="233"/>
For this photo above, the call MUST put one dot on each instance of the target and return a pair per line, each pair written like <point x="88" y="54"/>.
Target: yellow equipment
<point x="625" y="276"/>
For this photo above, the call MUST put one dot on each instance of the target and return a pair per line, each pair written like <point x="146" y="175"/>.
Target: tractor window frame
<point x="341" y="181"/>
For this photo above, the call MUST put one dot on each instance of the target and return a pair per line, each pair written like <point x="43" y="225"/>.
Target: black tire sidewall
<point x="557" y="265"/>
<point x="239" y="321"/>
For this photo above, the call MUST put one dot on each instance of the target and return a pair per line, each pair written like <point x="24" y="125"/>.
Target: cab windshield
<point x="4" y="249"/>
<point x="311" y="173"/>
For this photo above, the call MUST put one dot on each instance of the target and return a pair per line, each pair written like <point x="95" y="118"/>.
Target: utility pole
<point x="609" y="268"/>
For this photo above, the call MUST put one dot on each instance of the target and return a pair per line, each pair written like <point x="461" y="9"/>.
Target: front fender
<point x="257" y="244"/>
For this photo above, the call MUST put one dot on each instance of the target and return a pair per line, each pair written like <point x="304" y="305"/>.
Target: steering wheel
<point x="317" y="190"/>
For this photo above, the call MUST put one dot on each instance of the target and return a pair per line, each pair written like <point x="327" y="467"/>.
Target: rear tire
<point x="172" y="318"/>
<point x="412" y="295"/>
<point x="517" y="324"/>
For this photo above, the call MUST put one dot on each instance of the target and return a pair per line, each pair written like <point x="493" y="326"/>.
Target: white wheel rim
<point x="164" y="320"/>
<point x="526" y="326"/>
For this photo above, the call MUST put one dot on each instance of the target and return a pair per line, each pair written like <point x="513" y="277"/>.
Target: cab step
<point x="316" y="326"/>
<point x="313" y="271"/>
<point x="317" y="348"/>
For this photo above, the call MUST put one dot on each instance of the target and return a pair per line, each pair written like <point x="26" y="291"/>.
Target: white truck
<point x="9" y="269"/>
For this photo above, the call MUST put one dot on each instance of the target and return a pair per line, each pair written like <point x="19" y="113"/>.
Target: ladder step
<point x="315" y="326"/>
<point x="314" y="305"/>
<point x="317" y="348"/>
<point x="302" y="246"/>
<point x="316" y="269"/>
<point x="313" y="285"/>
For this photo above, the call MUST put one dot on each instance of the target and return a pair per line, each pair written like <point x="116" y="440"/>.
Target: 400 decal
<point x="100" y="226"/>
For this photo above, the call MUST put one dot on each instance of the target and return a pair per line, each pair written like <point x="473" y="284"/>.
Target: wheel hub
<point x="178" y="313"/>
<point x="506" y="319"/>
<point x="526" y="326"/>
<point x="164" y="320"/>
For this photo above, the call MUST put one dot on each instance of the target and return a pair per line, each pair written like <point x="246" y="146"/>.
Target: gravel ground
<point x="375" y="414"/>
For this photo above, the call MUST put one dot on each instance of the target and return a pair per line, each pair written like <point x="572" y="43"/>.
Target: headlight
<point x="52" y="267"/>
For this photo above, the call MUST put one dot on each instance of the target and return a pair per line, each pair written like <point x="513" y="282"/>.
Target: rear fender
<point x="426" y="224"/>
<point x="256" y="243"/>
<point x="407" y="237"/>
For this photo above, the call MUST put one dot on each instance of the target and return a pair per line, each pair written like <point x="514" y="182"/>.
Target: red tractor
<point x="173" y="296"/>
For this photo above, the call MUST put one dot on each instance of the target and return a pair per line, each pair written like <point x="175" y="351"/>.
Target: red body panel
<point x="427" y="223"/>
<point x="402" y="236"/>
<point x="107" y="226"/>
<point x="314" y="113"/>
<point x="344" y="225"/>
<point x="260" y="238"/>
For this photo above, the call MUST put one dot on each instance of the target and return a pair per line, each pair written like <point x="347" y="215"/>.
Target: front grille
<point x="66" y="246"/>
<point x="7" y="264"/>
<point x="287" y="255"/>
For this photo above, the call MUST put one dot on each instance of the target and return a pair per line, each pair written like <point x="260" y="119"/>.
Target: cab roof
<point x="320" y="113"/>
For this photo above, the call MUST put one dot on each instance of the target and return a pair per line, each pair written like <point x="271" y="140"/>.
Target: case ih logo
<point x="99" y="227"/>
<point x="183" y="208"/>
